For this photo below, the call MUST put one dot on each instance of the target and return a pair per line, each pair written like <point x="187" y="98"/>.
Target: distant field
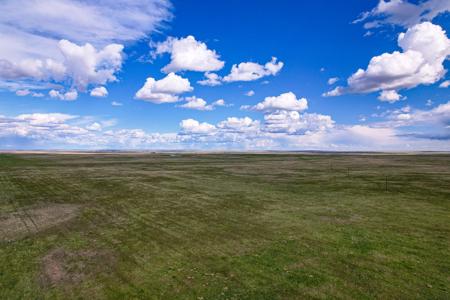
<point x="224" y="226"/>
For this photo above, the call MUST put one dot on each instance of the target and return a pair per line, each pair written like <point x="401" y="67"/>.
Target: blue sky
<point x="73" y="74"/>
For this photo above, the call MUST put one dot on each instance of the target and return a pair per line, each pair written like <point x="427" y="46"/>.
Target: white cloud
<point x="437" y="116"/>
<point x="165" y="90"/>
<point x="445" y="84"/>
<point x="100" y="23"/>
<point x="193" y="126"/>
<point x="42" y="119"/>
<point x="67" y="96"/>
<point x="212" y="79"/>
<point x="55" y="130"/>
<point x="85" y="65"/>
<point x="22" y="93"/>
<point x="80" y="66"/>
<point x="333" y="80"/>
<point x="249" y="71"/>
<point x="27" y="92"/>
<point x="280" y="130"/>
<point x="58" y="131"/>
<point x="188" y="54"/>
<point x="246" y="71"/>
<point x="390" y="96"/>
<point x="35" y="38"/>
<point x="233" y="124"/>
<point x="287" y="101"/>
<point x="115" y="103"/>
<point x="292" y="122"/>
<point x="250" y="93"/>
<point x="35" y="69"/>
<point x="403" y="13"/>
<point x="200" y="104"/>
<point x="429" y="102"/>
<point x="94" y="127"/>
<point x="100" y="91"/>
<point x="337" y="91"/>
<point x="425" y="48"/>
<point x="220" y="102"/>
<point x="196" y="103"/>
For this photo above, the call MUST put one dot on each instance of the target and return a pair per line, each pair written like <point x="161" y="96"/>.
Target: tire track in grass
<point x="123" y="210"/>
<point x="144" y="222"/>
<point x="104" y="240"/>
<point x="17" y="211"/>
<point x="20" y="186"/>
<point x="64" y="230"/>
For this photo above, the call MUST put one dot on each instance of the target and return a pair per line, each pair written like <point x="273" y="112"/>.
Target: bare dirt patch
<point x="31" y="220"/>
<point x="61" y="267"/>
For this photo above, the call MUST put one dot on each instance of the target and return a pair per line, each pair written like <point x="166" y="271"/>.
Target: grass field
<point x="224" y="226"/>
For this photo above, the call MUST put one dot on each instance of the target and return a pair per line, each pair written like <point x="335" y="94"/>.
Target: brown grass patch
<point x="65" y="268"/>
<point x="26" y="221"/>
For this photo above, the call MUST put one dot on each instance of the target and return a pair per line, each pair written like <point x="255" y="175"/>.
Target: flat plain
<point x="224" y="226"/>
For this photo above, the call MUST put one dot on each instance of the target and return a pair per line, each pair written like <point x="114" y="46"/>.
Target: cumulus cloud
<point x="234" y="124"/>
<point x="292" y="122"/>
<point x="220" y="102"/>
<point x="390" y="96"/>
<point x="57" y="131"/>
<point x="85" y="65"/>
<point x="94" y="127"/>
<point x="439" y="115"/>
<point x="36" y="69"/>
<point x="211" y="79"/>
<point x="165" y="90"/>
<point x="194" y="126"/>
<point x="287" y="101"/>
<point x="80" y="66"/>
<point x="200" y="104"/>
<point x="188" y="54"/>
<point x="333" y="80"/>
<point x="445" y="84"/>
<point x="100" y="91"/>
<point x="284" y="129"/>
<point x="402" y="13"/>
<point x="337" y="91"/>
<point x="425" y="48"/>
<point x="116" y="103"/>
<point x="282" y="115"/>
<point x="281" y="129"/>
<point x="249" y="71"/>
<point x="250" y="93"/>
<point x="65" y="35"/>
<point x="67" y="96"/>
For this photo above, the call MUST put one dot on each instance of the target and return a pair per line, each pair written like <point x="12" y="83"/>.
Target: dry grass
<point x="63" y="268"/>
<point x="30" y="220"/>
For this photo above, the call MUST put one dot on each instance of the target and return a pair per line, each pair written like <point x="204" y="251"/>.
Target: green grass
<point x="230" y="226"/>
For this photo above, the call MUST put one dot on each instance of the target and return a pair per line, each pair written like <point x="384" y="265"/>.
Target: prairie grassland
<point x="224" y="226"/>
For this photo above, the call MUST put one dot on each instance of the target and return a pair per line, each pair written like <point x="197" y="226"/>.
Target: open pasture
<point x="224" y="226"/>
